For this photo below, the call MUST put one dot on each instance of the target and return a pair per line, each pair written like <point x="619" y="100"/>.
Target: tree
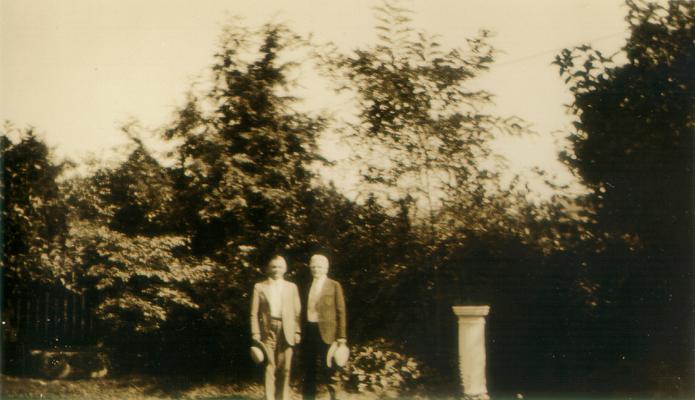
<point x="121" y="248"/>
<point x="142" y="278"/>
<point x="422" y="135"/>
<point x="244" y="152"/>
<point x="134" y="197"/>
<point x="633" y="147"/>
<point x="242" y="176"/>
<point x="423" y="132"/>
<point x="33" y="213"/>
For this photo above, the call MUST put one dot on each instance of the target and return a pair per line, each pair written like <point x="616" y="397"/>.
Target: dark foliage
<point x="33" y="213"/>
<point x="634" y="148"/>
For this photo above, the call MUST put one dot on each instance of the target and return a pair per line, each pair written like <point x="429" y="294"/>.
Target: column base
<point x="481" y="396"/>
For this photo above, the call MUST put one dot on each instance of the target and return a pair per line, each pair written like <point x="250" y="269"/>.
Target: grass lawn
<point x="131" y="388"/>
<point x="150" y="388"/>
<point x="143" y="388"/>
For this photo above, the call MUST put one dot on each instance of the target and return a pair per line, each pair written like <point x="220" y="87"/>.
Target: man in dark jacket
<point x="325" y="323"/>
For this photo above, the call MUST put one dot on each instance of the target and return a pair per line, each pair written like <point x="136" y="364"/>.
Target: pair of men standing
<point x="277" y="320"/>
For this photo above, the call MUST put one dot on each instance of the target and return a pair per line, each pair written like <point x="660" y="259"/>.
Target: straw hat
<point x="338" y="352"/>
<point x="259" y="352"/>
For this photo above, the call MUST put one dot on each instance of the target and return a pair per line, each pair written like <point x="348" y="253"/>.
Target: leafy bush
<point x="138" y="280"/>
<point x="377" y="367"/>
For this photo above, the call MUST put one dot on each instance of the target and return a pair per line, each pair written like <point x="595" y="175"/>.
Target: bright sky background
<point x="76" y="70"/>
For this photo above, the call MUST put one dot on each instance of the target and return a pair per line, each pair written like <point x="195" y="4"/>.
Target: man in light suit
<point x="275" y="321"/>
<point x="325" y="323"/>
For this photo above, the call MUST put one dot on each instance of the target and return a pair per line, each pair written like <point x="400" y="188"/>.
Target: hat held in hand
<point x="259" y="353"/>
<point x="338" y="353"/>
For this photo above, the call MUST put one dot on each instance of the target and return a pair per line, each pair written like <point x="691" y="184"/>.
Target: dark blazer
<point x="331" y="311"/>
<point x="260" y="310"/>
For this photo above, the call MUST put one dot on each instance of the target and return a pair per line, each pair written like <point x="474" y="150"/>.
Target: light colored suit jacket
<point x="260" y="310"/>
<point x="331" y="310"/>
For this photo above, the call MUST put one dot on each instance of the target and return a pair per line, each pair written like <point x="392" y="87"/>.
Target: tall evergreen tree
<point x="244" y="151"/>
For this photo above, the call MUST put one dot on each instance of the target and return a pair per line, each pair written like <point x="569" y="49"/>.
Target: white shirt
<point x="312" y="314"/>
<point x="275" y="297"/>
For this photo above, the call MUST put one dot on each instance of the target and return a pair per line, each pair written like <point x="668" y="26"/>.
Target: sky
<point x="77" y="70"/>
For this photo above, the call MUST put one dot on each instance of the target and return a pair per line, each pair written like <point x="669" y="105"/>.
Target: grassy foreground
<point x="131" y="388"/>
<point x="150" y="388"/>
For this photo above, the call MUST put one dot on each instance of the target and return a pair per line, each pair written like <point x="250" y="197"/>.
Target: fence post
<point x="472" y="356"/>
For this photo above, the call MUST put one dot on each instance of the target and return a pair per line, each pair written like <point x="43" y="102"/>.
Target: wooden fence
<point x="49" y="318"/>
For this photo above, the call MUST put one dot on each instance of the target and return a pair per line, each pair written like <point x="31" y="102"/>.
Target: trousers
<point x="315" y="369"/>
<point x="277" y="369"/>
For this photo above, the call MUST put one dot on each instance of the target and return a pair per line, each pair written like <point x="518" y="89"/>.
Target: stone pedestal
<point x="471" y="334"/>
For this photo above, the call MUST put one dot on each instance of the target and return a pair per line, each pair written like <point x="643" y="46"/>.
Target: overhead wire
<point x="557" y="49"/>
